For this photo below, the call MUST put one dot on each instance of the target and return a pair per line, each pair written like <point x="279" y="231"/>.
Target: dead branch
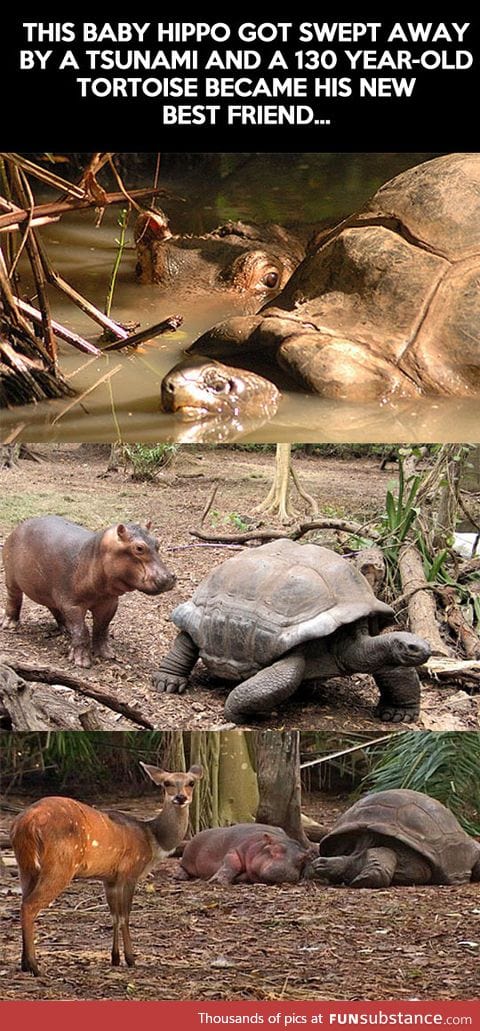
<point x="46" y="675"/>
<point x="168" y="325"/>
<point x="65" y="334"/>
<point x="272" y="534"/>
<point x="11" y="220"/>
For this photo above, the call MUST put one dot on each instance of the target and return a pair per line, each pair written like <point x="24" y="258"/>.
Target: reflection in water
<point x="127" y="405"/>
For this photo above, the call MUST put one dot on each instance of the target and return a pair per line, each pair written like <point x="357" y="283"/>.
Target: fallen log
<point x="370" y="562"/>
<point x="468" y="638"/>
<point x="421" y="602"/>
<point x="16" y="698"/>
<point x="34" y="706"/>
<point x="46" y="675"/>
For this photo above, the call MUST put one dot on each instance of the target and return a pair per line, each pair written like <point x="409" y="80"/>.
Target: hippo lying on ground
<point x="385" y="304"/>
<point x="72" y="570"/>
<point x="247" y="852"/>
<point x="252" y="262"/>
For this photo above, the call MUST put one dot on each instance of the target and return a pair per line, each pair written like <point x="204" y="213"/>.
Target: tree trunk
<point x="278" y="500"/>
<point x="228" y="792"/>
<point x="278" y="775"/>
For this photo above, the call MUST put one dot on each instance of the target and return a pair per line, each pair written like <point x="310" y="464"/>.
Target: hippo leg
<point x="399" y="695"/>
<point x="181" y="874"/>
<point x="13" y="606"/>
<point x="378" y="869"/>
<point x="231" y="869"/>
<point x="80" y="638"/>
<point x="172" y="676"/>
<point x="268" y="688"/>
<point x="102" y="617"/>
<point x="59" y="620"/>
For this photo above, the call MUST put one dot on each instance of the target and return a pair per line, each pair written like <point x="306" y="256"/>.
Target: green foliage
<point x="122" y="223"/>
<point x="68" y="758"/>
<point x="148" y="459"/>
<point x="229" y="519"/>
<point x="444" y="765"/>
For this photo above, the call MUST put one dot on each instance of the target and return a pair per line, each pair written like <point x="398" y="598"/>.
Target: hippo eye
<point x="140" y="549"/>
<point x="271" y="280"/>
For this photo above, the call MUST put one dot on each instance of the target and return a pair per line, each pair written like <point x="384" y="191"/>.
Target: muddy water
<point x="304" y="188"/>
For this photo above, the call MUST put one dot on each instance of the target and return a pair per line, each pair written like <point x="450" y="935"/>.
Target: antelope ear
<point x="122" y="531"/>
<point x="196" y="771"/>
<point x="158" y="776"/>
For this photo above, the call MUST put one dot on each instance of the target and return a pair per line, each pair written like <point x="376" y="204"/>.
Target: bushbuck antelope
<point x="58" y="839"/>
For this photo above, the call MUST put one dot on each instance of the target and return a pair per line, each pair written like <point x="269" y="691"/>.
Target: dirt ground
<point x="70" y="482"/>
<point x="196" y="940"/>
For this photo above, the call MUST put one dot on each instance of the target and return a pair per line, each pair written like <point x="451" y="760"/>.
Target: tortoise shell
<point x="414" y="819"/>
<point x="257" y="606"/>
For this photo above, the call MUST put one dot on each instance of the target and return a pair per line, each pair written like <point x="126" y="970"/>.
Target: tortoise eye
<point x="271" y="280"/>
<point x="218" y="384"/>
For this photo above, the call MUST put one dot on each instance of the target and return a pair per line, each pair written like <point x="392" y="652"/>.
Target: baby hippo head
<point x="131" y="560"/>
<point x="278" y="861"/>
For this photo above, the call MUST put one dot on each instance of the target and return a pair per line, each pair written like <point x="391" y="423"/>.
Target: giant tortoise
<point x="287" y="612"/>
<point x="397" y="837"/>
<point x="385" y="304"/>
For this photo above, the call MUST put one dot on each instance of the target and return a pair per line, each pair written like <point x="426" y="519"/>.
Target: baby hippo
<point x="72" y="570"/>
<point x="248" y="852"/>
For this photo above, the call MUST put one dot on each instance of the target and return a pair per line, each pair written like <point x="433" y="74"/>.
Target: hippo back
<point x="414" y="819"/>
<point x="257" y="606"/>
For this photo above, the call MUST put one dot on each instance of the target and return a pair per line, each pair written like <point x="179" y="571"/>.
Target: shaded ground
<point x="195" y="940"/>
<point x="70" y="483"/>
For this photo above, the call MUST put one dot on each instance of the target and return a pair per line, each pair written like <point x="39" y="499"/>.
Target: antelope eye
<point x="168" y="784"/>
<point x="191" y="784"/>
<point x="271" y="280"/>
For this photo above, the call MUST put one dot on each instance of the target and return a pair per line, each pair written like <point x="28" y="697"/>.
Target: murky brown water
<point x="304" y="188"/>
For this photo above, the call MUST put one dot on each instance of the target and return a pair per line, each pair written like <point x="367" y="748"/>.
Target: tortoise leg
<point x="378" y="869"/>
<point x="338" y="869"/>
<point x="172" y="676"/>
<point x="399" y="695"/>
<point x="268" y="688"/>
<point x="476" y="870"/>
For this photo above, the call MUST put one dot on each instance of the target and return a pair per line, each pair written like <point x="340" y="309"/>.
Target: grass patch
<point x="85" y="508"/>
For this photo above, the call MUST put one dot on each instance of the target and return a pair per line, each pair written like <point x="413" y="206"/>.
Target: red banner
<point x="201" y="1016"/>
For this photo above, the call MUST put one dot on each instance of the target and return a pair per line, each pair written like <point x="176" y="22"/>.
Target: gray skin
<point x="384" y="305"/>
<point x="283" y="613"/>
<point x="248" y="853"/>
<point x="72" y="570"/>
<point x="224" y="401"/>
<point x="252" y="263"/>
<point x="399" y="837"/>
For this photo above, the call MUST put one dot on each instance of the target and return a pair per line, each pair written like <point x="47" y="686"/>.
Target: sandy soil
<point x="70" y="482"/>
<point x="195" y="940"/>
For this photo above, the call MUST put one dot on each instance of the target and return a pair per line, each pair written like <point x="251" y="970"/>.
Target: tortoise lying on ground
<point x="387" y="303"/>
<point x="397" y="837"/>
<point x="287" y="612"/>
<point x="226" y="401"/>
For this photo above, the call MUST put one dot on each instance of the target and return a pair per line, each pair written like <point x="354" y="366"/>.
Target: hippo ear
<point x="148" y="525"/>
<point x="122" y="531"/>
<point x="267" y="839"/>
